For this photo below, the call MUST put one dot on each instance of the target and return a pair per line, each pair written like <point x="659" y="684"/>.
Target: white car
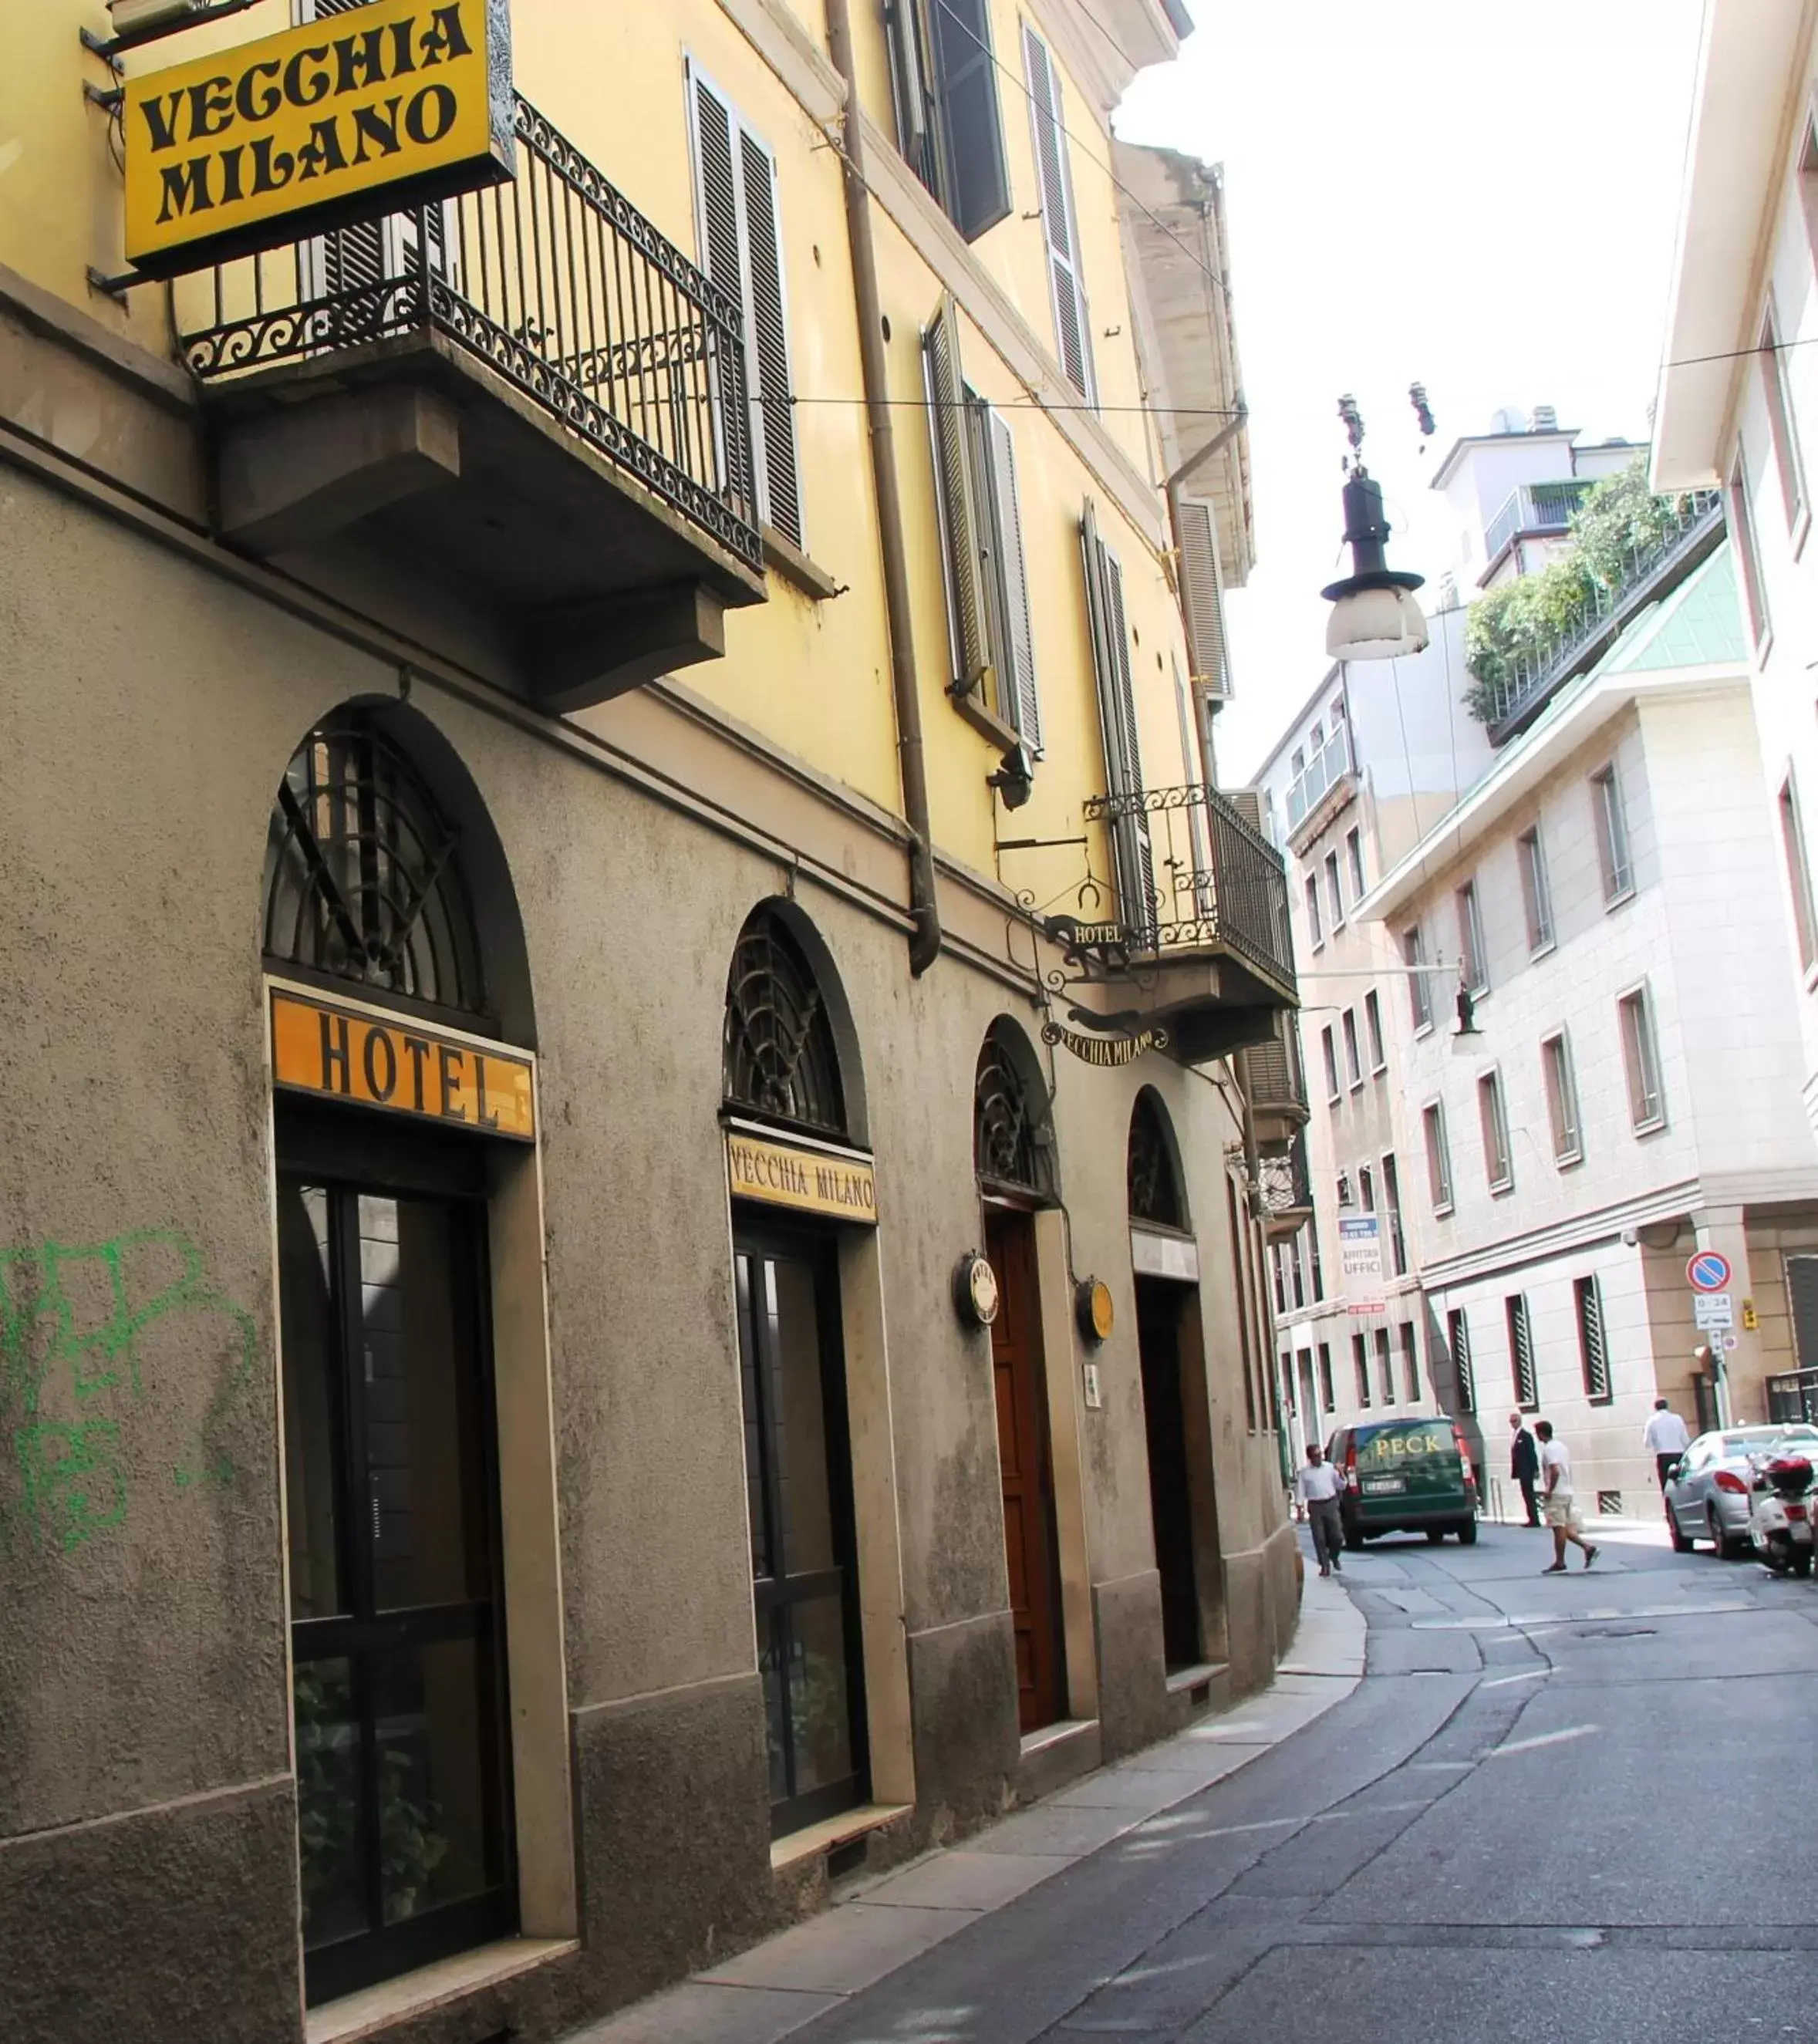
<point x="1708" y="1493"/>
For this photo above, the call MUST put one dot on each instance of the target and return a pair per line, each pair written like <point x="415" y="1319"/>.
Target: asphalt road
<point x="1573" y="1807"/>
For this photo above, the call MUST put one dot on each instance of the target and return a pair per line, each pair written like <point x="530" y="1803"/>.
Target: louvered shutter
<point x="977" y="176"/>
<point x="351" y="259"/>
<point x="779" y="480"/>
<point x="1802" y="1295"/>
<point x="1202" y="596"/>
<point x="716" y="198"/>
<point x="1059" y="221"/>
<point x="1016" y="698"/>
<point x="959" y="512"/>
<point x="1135" y="874"/>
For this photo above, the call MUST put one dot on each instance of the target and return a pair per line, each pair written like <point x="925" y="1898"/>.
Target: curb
<point x="778" y="1987"/>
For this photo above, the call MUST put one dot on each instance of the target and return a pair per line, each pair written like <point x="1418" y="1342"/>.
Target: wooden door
<point x="1030" y="1548"/>
<point x="1171" y="1489"/>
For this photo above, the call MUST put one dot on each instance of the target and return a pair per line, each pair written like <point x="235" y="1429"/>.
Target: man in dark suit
<point x="1523" y="1464"/>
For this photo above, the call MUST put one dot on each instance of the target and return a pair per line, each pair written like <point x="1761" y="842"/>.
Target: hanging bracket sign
<point x="400" y="1066"/>
<point x="1105" y="1051"/>
<point x="395" y="104"/>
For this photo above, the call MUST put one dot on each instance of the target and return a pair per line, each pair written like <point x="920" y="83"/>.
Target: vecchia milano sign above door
<point x="294" y="134"/>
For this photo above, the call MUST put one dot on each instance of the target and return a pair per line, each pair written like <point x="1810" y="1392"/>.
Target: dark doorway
<point x="403" y="1779"/>
<point x="1031" y="1548"/>
<point x="1158" y="1310"/>
<point x="804" y="1550"/>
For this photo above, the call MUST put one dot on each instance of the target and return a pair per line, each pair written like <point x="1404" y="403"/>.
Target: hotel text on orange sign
<point x="399" y="1066"/>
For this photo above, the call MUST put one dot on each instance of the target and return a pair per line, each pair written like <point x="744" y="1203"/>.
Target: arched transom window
<point x="1009" y="1142"/>
<point x="1155" y="1185"/>
<point x="362" y="873"/>
<point x="780" y="1061"/>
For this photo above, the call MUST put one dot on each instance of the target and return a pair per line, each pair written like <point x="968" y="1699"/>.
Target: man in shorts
<point x="1562" y="1513"/>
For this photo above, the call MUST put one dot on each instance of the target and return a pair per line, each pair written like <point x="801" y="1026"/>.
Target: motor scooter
<point x="1781" y="1513"/>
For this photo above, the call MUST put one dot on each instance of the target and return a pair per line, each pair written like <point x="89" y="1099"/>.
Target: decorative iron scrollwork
<point x="780" y="1059"/>
<point x="1154" y="1184"/>
<point x="1008" y="1145"/>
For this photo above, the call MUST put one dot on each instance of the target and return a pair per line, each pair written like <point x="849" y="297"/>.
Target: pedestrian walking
<point x="1665" y="1438"/>
<point x="1317" y="1486"/>
<point x="1523" y="1464"/>
<point x="1562" y="1511"/>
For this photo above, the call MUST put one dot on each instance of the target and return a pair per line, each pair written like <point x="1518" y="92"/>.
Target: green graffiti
<point x="70" y="1320"/>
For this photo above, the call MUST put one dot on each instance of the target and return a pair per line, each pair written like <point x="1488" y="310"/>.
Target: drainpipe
<point x="924" y="942"/>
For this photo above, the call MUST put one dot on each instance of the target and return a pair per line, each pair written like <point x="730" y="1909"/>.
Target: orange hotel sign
<point x="400" y="1067"/>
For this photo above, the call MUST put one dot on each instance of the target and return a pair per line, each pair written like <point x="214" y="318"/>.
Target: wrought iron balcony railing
<point x="1535" y="507"/>
<point x="1322" y="772"/>
<point x="1286" y="1190"/>
<point x="554" y="280"/>
<point x="1194" y="874"/>
<point x="1511" y="702"/>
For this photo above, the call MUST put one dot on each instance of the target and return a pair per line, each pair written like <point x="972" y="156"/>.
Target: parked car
<point x="1710" y="1489"/>
<point x="1404" y="1476"/>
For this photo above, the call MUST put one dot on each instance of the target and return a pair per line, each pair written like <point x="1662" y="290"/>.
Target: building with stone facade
<point x="632" y="1276"/>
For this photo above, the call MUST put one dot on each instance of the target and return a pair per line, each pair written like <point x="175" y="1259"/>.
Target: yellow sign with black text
<point x="402" y="1067"/>
<point x="270" y="140"/>
<point x="783" y="1175"/>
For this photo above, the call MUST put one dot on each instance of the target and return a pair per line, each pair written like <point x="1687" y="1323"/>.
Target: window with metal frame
<point x="1384" y="1367"/>
<point x="1328" y="1047"/>
<point x="1493" y="1116"/>
<point x="1613" y="859"/>
<point x="1748" y="549"/>
<point x="1562" y="1098"/>
<point x="1641" y="1060"/>
<point x="1278" y="1265"/>
<point x="1593" y="1353"/>
<point x="1781" y="420"/>
<point x="1060" y="220"/>
<point x="1458" y="1340"/>
<point x="1315" y="1270"/>
<point x="1296" y="1273"/>
<point x="1132" y="856"/>
<point x="1798" y="874"/>
<point x="739" y="219"/>
<point x="1373" y="1031"/>
<point x="1360" y="1363"/>
<point x="990" y="632"/>
<point x="1335" y="891"/>
<point x="1327" y="1397"/>
<point x="780" y="1062"/>
<point x="1410" y="1362"/>
<point x="1472" y="954"/>
<point x="364" y="879"/>
<point x="1316" y="932"/>
<point x="1354" y="854"/>
<point x="1011" y="1148"/>
<point x="1353" y="1062"/>
<point x="1309" y="1403"/>
<point x="1420" y="994"/>
<point x="1521" y="1352"/>
<point x="949" y="125"/>
<point x="1536" y="891"/>
<point x="1438" y="1156"/>
<point x="1392" y="1202"/>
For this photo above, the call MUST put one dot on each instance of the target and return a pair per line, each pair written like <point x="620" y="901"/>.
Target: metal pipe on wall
<point x="924" y="943"/>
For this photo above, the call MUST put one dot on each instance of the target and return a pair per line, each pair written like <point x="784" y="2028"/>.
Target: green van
<point x="1404" y="1476"/>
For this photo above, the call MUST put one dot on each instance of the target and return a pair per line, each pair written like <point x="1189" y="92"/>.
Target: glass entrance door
<point x="803" y="1564"/>
<point x="402" y="1779"/>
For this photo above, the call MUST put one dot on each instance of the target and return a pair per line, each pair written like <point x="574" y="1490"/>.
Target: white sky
<point x="1478" y="195"/>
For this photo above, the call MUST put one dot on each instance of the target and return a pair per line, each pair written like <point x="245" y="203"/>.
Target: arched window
<point x="363" y="879"/>
<point x="780" y="1059"/>
<point x="1010" y="1145"/>
<point x="1154" y="1183"/>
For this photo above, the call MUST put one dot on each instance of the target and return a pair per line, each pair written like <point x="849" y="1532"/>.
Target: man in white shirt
<point x="1562" y="1513"/>
<point x="1318" y="1486"/>
<point x="1664" y="1438"/>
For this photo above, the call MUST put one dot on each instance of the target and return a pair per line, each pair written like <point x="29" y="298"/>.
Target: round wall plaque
<point x="975" y="1289"/>
<point x="1092" y="1302"/>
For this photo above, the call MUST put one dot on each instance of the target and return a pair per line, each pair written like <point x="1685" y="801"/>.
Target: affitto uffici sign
<point x="404" y="101"/>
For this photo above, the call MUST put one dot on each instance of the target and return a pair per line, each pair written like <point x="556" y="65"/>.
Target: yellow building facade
<point x="632" y="1271"/>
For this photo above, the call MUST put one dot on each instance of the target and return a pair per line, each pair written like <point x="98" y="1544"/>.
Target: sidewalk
<point x="876" y="1926"/>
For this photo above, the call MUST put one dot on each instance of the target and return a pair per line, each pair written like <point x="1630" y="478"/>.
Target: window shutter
<point x="716" y="198"/>
<point x="1202" y="596"/>
<point x="779" y="481"/>
<point x="352" y="259"/>
<point x="1802" y="1295"/>
<point x="1136" y="875"/>
<point x="1017" y="700"/>
<point x="972" y="133"/>
<point x="1059" y="220"/>
<point x="955" y="498"/>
